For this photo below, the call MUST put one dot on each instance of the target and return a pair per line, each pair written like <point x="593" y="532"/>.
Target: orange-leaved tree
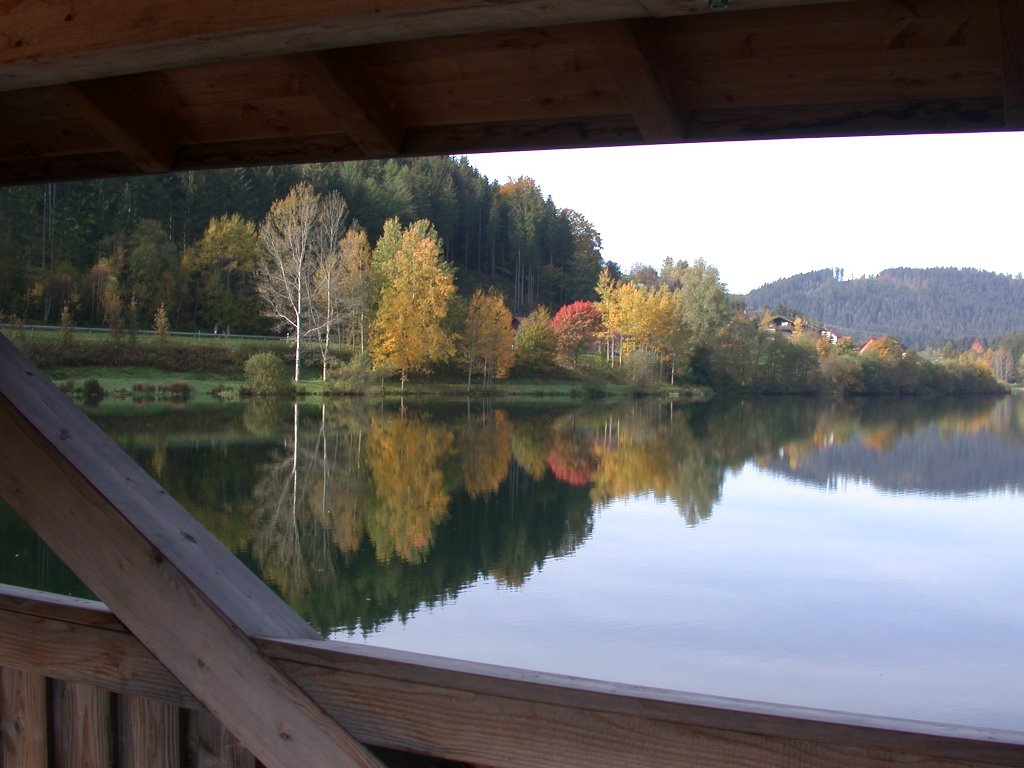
<point x="576" y="327"/>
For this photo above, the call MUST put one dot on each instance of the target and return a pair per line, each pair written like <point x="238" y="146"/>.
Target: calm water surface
<point x="864" y="556"/>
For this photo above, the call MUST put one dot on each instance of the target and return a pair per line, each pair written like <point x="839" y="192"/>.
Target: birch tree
<point x="326" y="300"/>
<point x="298" y="235"/>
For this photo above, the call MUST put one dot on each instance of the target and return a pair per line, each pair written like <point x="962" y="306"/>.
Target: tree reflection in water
<point x="360" y="513"/>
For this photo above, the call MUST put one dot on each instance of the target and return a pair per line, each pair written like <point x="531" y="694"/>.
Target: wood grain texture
<point x="173" y="586"/>
<point x="46" y="43"/>
<point x="88" y="654"/>
<point x="83" y="729"/>
<point x="211" y="745"/>
<point x="865" y="119"/>
<point x="148" y="734"/>
<point x="636" y="57"/>
<point x="315" y="81"/>
<point x="343" y="86"/>
<point x="496" y="716"/>
<point x="23" y="718"/>
<point x="112" y="109"/>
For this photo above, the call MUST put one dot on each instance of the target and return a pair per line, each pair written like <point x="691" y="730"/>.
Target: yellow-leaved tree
<point x="417" y="285"/>
<point x="487" y="341"/>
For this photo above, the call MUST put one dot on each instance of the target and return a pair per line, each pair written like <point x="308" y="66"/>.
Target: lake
<point x="863" y="556"/>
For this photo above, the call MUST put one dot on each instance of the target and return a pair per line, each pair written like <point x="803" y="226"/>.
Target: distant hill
<point x="921" y="307"/>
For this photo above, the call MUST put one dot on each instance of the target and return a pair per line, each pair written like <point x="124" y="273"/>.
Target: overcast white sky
<point x="763" y="210"/>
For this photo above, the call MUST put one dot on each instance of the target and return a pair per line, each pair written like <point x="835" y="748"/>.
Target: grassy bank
<point x="211" y="370"/>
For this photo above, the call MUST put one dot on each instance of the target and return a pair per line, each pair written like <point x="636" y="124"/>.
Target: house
<point x="789" y="325"/>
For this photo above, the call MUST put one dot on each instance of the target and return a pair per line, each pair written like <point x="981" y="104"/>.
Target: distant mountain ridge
<point x="921" y="307"/>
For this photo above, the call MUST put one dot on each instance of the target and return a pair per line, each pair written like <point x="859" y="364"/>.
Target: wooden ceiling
<point x="107" y="87"/>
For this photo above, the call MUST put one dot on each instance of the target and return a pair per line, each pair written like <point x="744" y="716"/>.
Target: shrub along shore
<point x="146" y="368"/>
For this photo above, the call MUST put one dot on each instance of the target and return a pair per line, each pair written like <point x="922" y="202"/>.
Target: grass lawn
<point x="211" y="366"/>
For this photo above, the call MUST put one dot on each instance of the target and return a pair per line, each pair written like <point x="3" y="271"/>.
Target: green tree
<point x="153" y="275"/>
<point x="535" y="344"/>
<point x="221" y="267"/>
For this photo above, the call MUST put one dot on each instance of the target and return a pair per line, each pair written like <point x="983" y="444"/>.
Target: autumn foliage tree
<point x="408" y="332"/>
<point x="576" y="327"/>
<point x="487" y="341"/>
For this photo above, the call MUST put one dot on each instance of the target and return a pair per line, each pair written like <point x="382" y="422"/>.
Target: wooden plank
<point x="617" y="130"/>
<point x="344" y="88"/>
<point x="211" y="745"/>
<point x="148" y="734"/>
<point x="23" y="741"/>
<point x="491" y="715"/>
<point x="746" y="36"/>
<point x="1011" y="18"/>
<point x="79" y="653"/>
<point x="464" y="711"/>
<point x="863" y="119"/>
<point x="112" y="108"/>
<point x="61" y="41"/>
<point x="76" y="610"/>
<point x="637" y="60"/>
<point x="167" y="579"/>
<point x="888" y="76"/>
<point x="82" y="726"/>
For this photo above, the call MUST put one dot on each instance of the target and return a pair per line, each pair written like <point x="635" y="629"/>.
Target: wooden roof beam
<point x="340" y="83"/>
<point x="636" y="55"/>
<point x="1011" y="22"/>
<point x="63" y="40"/>
<point x="112" y="110"/>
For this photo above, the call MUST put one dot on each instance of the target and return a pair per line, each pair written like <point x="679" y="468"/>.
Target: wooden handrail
<point x="481" y="713"/>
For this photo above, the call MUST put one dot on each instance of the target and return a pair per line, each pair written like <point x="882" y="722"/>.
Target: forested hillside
<point x="921" y="307"/>
<point x="140" y="240"/>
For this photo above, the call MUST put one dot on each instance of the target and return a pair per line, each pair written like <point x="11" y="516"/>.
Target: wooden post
<point x="148" y="734"/>
<point x="82" y="729"/>
<point x="174" y="586"/>
<point x="22" y="719"/>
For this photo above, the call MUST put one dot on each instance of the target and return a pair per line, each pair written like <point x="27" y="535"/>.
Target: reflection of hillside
<point x="924" y="446"/>
<point x="929" y="460"/>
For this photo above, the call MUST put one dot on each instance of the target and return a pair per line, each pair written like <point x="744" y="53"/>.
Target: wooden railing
<point x="75" y="682"/>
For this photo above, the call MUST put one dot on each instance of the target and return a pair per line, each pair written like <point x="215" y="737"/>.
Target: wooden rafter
<point x="184" y="596"/>
<point x="341" y="84"/>
<point x="638" y="62"/>
<point x="111" y="109"/>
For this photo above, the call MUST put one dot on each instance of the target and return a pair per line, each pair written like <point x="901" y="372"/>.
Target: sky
<point x="763" y="210"/>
